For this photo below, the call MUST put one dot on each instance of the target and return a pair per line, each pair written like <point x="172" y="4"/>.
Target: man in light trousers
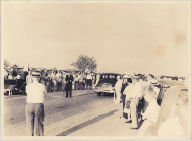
<point x="35" y="108"/>
<point x="118" y="86"/>
<point x="137" y="95"/>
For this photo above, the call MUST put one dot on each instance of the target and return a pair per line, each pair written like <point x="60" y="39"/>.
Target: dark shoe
<point x="130" y="121"/>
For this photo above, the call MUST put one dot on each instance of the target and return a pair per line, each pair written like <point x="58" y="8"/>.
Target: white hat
<point x="126" y="76"/>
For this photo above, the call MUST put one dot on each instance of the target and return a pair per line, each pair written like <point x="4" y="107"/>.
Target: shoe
<point x="121" y="118"/>
<point x="125" y="120"/>
<point x="129" y="121"/>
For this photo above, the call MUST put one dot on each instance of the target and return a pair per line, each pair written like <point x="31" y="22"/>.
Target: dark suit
<point x="123" y="97"/>
<point x="69" y="80"/>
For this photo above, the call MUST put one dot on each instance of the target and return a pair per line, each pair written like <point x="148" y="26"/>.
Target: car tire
<point x="24" y="93"/>
<point x="98" y="94"/>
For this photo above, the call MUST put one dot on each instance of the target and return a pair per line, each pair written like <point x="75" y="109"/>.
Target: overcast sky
<point x="122" y="36"/>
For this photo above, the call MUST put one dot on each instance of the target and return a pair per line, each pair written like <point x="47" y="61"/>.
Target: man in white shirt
<point x="118" y="86"/>
<point x="134" y="94"/>
<point x="35" y="108"/>
<point x="5" y="74"/>
<point x="58" y="81"/>
<point x="29" y="78"/>
<point x="80" y="78"/>
<point x="76" y="82"/>
<point x="151" y="114"/>
<point x="18" y="76"/>
<point x="63" y="81"/>
<point x="130" y="94"/>
<point x="97" y="79"/>
<point x="10" y="76"/>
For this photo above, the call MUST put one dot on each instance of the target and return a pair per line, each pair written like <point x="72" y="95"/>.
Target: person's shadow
<point x="87" y="123"/>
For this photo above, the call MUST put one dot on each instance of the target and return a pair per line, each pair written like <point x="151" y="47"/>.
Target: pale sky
<point x="141" y="37"/>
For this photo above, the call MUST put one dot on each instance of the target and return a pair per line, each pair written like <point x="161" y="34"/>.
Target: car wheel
<point x="24" y="93"/>
<point x="99" y="94"/>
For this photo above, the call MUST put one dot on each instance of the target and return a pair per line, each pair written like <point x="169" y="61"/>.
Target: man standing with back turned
<point x="35" y="108"/>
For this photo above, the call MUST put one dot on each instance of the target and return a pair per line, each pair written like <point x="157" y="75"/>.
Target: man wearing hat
<point x="69" y="80"/>
<point x="123" y="96"/>
<point x="135" y="96"/>
<point x="35" y="108"/>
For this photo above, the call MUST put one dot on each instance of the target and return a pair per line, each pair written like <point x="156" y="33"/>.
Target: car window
<point x="112" y="76"/>
<point x="107" y="76"/>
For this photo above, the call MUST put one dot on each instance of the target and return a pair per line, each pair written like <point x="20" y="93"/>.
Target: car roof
<point x="17" y="68"/>
<point x="110" y="74"/>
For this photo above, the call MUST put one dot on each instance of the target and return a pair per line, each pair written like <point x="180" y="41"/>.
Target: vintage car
<point x="106" y="83"/>
<point x="15" y="86"/>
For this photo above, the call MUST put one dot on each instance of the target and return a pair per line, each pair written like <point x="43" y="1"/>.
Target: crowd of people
<point x="138" y="97"/>
<point x="12" y="75"/>
<point x="137" y="94"/>
<point x="56" y="80"/>
<point x="59" y="80"/>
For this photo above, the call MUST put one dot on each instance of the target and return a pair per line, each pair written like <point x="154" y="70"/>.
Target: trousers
<point x="123" y="97"/>
<point x="69" y="92"/>
<point x="34" y="119"/>
<point x="118" y="96"/>
<point x="134" y="114"/>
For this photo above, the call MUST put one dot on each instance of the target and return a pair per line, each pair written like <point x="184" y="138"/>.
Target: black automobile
<point x="106" y="83"/>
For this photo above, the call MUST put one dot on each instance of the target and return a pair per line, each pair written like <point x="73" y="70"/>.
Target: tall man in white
<point x="35" y="108"/>
<point x="118" y="86"/>
<point x="134" y="94"/>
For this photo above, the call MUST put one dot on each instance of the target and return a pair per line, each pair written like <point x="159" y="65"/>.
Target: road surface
<point x="57" y="107"/>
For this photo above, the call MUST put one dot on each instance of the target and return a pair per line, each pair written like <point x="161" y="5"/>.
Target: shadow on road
<point x="140" y="123"/>
<point x="87" y="123"/>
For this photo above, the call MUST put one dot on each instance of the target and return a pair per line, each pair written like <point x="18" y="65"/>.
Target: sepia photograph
<point x="87" y="69"/>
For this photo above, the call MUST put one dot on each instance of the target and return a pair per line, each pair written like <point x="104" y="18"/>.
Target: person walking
<point x="35" y="108"/>
<point x="69" y="80"/>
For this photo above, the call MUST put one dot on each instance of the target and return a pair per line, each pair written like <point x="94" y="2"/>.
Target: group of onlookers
<point x="12" y="75"/>
<point x="58" y="80"/>
<point x="137" y="100"/>
<point x="55" y="80"/>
